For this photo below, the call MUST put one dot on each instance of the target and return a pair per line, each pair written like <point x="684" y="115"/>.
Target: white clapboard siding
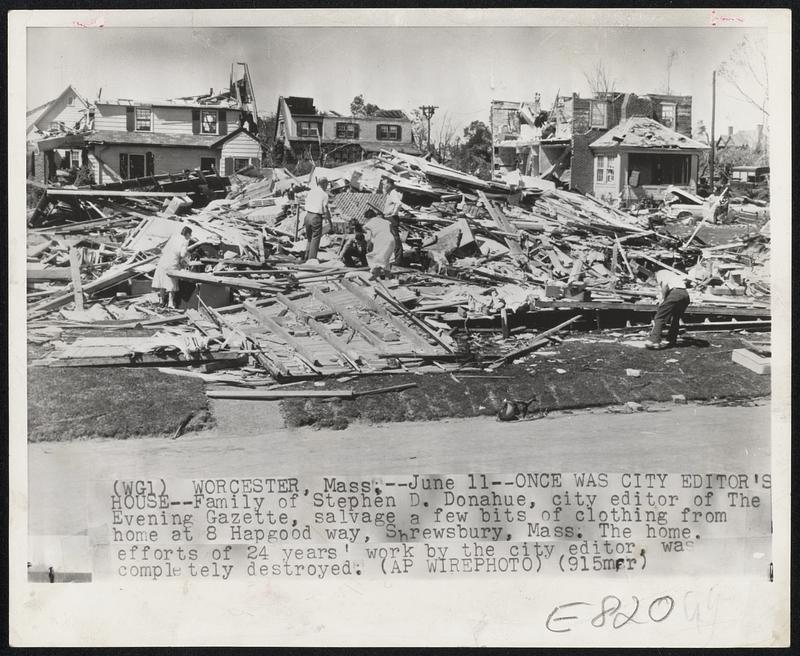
<point x="110" y="117"/>
<point x="241" y="145"/>
<point x="166" y="120"/>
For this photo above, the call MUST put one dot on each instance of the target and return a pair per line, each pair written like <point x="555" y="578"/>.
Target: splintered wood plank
<point x="75" y="270"/>
<point x="503" y="224"/>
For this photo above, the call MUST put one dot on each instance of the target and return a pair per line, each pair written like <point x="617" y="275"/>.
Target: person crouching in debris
<point x="391" y="210"/>
<point x="316" y="209"/>
<point x="674" y="301"/>
<point x="174" y="256"/>
<point x="354" y="253"/>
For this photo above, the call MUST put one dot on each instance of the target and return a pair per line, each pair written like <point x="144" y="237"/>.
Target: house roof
<point x="642" y="132"/>
<point x="236" y="132"/>
<point x="126" y="102"/>
<point x="32" y="116"/>
<point x="152" y="138"/>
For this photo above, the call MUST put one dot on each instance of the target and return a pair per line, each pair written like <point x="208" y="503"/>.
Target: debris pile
<point x="474" y="250"/>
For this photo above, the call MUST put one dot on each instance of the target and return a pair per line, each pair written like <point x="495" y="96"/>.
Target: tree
<point x="746" y="71"/>
<point x="599" y="80"/>
<point x="266" y="133"/>
<point x="359" y="108"/>
<point x="478" y="140"/>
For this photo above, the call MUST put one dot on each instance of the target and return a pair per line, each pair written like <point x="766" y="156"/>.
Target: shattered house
<point x="126" y="139"/>
<point x="331" y="138"/>
<point x="612" y="145"/>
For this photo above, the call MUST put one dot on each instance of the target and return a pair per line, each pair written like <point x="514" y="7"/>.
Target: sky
<point x="460" y="69"/>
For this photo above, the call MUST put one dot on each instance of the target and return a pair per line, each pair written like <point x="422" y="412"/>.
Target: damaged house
<point x="331" y="138"/>
<point x="129" y="139"/>
<point x="570" y="147"/>
<point x="67" y="112"/>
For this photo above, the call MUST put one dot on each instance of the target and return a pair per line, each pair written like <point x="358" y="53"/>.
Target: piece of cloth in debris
<point x="174" y="254"/>
<point x="379" y="233"/>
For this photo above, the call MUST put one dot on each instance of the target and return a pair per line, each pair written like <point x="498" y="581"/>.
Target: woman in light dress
<point x="173" y="256"/>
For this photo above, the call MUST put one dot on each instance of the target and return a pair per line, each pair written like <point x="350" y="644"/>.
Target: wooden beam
<point x="502" y="223"/>
<point x="541" y="339"/>
<point x="402" y="328"/>
<point x="229" y="281"/>
<point x="75" y="270"/>
<point x="49" y="273"/>
<point x="230" y="358"/>
<point x="99" y="193"/>
<point x="265" y="395"/>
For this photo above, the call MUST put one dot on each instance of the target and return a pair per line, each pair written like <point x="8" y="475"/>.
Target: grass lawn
<point x="66" y="403"/>
<point x="594" y="374"/>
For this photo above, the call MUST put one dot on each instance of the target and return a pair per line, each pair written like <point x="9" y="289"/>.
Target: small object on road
<point x="561" y="371"/>
<point x="513" y="410"/>
<point x="633" y="372"/>
<point x="678" y="398"/>
<point x="633" y="406"/>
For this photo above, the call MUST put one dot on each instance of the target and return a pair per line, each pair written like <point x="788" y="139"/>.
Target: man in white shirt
<point x="391" y="211"/>
<point x="316" y="208"/>
<point x="674" y="301"/>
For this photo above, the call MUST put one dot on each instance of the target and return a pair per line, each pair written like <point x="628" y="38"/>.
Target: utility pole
<point x="427" y="112"/>
<point x="713" y="137"/>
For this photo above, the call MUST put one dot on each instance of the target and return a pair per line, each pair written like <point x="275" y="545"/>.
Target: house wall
<point x="166" y="120"/>
<point x="240" y="146"/>
<point x="603" y="189"/>
<point x="368" y="128"/>
<point x="582" y="166"/>
<point x="63" y="112"/>
<point x="165" y="160"/>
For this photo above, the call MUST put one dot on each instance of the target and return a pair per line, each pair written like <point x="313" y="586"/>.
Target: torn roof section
<point x="643" y="132"/>
<point x="304" y="107"/>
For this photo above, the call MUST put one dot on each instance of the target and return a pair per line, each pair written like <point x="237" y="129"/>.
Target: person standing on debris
<point x="174" y="256"/>
<point x="391" y="210"/>
<point x="378" y="231"/>
<point x="674" y="301"/>
<point x="316" y="209"/>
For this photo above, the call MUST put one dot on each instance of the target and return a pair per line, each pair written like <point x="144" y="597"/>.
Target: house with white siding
<point x="333" y="138"/>
<point x="126" y="139"/>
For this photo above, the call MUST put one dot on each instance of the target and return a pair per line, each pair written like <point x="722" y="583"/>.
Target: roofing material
<point x="152" y="138"/>
<point x="642" y="132"/>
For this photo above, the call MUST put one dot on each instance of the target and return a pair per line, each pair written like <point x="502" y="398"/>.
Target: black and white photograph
<point x="399" y="327"/>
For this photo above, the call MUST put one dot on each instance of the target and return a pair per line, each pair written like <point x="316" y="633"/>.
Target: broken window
<point x="307" y="129"/>
<point x="599" y="114"/>
<point x="209" y="120"/>
<point x="144" y="119"/>
<point x="668" y="115"/>
<point x="347" y="130"/>
<point x="240" y="163"/>
<point x="389" y="132"/>
<point x="208" y="164"/>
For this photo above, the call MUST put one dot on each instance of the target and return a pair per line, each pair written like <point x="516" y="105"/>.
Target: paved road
<point x="679" y="439"/>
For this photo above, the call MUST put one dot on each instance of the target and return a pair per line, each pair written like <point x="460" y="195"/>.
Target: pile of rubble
<point x="255" y="313"/>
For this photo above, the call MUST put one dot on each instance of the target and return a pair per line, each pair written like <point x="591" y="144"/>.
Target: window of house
<point x="136" y="165"/>
<point x="209" y="121"/>
<point x="599" y="114"/>
<point x="75" y="158"/>
<point x="600" y="168"/>
<point x="668" y="115"/>
<point x="240" y="163"/>
<point x="308" y="129"/>
<point x="55" y="125"/>
<point x="388" y="132"/>
<point x="144" y="119"/>
<point x="347" y="130"/>
<point x="208" y="164"/>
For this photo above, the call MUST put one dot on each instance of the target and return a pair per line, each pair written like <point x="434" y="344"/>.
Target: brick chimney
<point x="730" y="130"/>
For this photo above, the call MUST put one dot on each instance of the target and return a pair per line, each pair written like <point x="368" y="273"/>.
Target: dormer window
<point x="209" y="121"/>
<point x="599" y="114"/>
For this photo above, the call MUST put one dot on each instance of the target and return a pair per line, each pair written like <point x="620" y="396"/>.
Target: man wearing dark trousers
<point x="316" y="209"/>
<point x="674" y="301"/>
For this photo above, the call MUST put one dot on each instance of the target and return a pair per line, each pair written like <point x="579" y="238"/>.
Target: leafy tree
<point x="478" y="140"/>
<point x="359" y="108"/>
